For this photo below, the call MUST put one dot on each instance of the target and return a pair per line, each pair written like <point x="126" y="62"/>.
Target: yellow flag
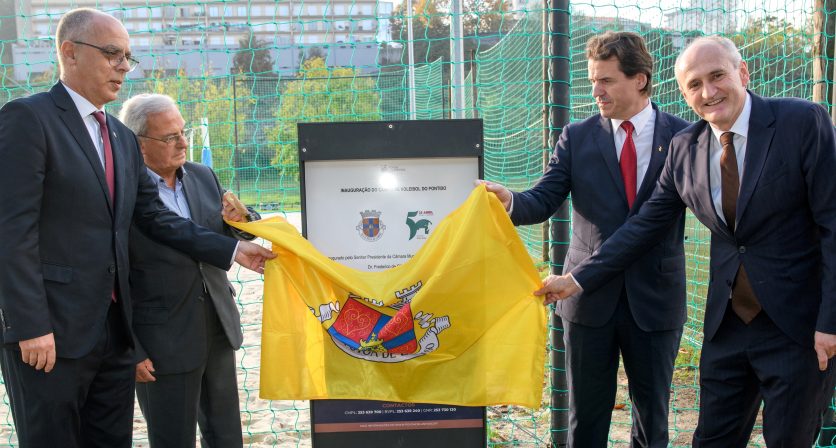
<point x="455" y="324"/>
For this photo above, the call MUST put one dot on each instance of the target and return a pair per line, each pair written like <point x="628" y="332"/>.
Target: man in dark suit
<point x="609" y="163"/>
<point x="72" y="182"/>
<point x="759" y="173"/>
<point x="186" y="322"/>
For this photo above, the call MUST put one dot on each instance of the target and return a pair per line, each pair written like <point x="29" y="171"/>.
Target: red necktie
<point x="744" y="302"/>
<point x="108" y="156"/>
<point x="108" y="153"/>
<point x="628" y="164"/>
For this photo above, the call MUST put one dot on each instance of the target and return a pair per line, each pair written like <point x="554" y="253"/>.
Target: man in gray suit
<point x="609" y="163"/>
<point x="186" y="322"/>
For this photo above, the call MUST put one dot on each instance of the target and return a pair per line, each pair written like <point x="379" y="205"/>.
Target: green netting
<point x="245" y="72"/>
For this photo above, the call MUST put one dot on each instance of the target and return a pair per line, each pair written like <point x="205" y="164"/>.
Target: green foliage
<point x="431" y="26"/>
<point x="210" y="98"/>
<point x="253" y="56"/>
<point x="778" y="55"/>
<point x="321" y="94"/>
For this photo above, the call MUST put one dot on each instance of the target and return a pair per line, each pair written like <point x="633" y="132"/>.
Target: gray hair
<point x="135" y="111"/>
<point x="75" y="24"/>
<point x="726" y="44"/>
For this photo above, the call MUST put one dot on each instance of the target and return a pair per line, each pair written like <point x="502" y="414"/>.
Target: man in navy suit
<point x="72" y="182"/>
<point x="759" y="173"/>
<point x="609" y="163"/>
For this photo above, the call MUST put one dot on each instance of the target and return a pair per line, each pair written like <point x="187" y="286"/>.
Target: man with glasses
<point x="186" y="322"/>
<point x="72" y="182"/>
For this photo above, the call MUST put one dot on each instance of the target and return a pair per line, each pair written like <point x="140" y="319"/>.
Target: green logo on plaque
<point x="417" y="221"/>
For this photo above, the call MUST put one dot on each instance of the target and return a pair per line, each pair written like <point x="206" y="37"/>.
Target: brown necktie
<point x="628" y="164"/>
<point x="743" y="301"/>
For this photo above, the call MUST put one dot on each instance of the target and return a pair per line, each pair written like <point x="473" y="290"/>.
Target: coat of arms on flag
<point x="365" y="328"/>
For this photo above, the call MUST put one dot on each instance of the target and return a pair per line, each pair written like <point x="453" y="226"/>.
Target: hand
<point x="233" y="210"/>
<point x="825" y="348"/>
<point x="144" y="370"/>
<point x="252" y="256"/>
<point x="502" y="193"/>
<point x="39" y="352"/>
<point x="557" y="287"/>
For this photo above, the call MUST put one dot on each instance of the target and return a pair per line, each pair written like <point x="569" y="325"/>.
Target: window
<point x="214" y="11"/>
<point x="340" y="9"/>
<point x="283" y="10"/>
<point x="256" y="11"/>
<point x="366" y="10"/>
<point x="242" y="11"/>
<point x="312" y="10"/>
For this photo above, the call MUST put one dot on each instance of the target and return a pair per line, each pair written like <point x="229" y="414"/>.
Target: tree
<point x="778" y="56"/>
<point x="431" y="26"/>
<point x="321" y="94"/>
<point x="253" y="57"/>
<point x="210" y="98"/>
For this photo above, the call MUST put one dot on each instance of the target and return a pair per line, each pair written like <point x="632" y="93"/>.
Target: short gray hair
<point x="73" y="26"/>
<point x="135" y="111"/>
<point x="726" y="44"/>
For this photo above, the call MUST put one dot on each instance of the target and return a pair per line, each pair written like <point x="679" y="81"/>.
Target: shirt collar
<point x="741" y="125"/>
<point x="157" y="178"/>
<point x="639" y="120"/>
<point x="84" y="106"/>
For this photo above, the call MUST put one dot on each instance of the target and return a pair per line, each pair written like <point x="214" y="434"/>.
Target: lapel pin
<point x="659" y="149"/>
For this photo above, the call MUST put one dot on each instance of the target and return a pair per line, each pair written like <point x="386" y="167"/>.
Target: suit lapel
<point x="606" y="146"/>
<point x="758" y="143"/>
<point x="76" y="127"/>
<point x="190" y="188"/>
<point x="120" y="164"/>
<point x="701" y="174"/>
<point x="658" y="152"/>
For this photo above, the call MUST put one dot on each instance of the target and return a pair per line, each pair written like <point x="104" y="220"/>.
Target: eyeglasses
<point x="115" y="57"/>
<point x="170" y="139"/>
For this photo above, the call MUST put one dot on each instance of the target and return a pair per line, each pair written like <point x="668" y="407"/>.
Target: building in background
<point x="203" y="38"/>
<point x="707" y="16"/>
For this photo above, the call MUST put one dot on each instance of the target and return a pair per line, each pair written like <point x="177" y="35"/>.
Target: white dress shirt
<point x="85" y="109"/>
<point x="741" y="133"/>
<point x="644" y="123"/>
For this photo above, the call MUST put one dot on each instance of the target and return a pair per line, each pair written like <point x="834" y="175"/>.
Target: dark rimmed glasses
<point x="115" y="57"/>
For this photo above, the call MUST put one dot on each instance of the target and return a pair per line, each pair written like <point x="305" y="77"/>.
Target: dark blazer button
<point x="741" y="249"/>
<point x="111" y="268"/>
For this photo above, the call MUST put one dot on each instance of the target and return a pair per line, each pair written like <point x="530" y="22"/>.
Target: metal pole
<point x="559" y="114"/>
<point x="457" y="91"/>
<point x="410" y="48"/>
<point x="474" y="68"/>
<point x="235" y="134"/>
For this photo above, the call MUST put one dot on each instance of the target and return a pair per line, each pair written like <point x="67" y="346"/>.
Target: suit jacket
<point x="65" y="248"/>
<point x="169" y="287"/>
<point x="585" y="164"/>
<point x="786" y="217"/>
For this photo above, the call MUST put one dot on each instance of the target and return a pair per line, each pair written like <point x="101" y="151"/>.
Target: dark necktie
<point x="743" y="302"/>
<point x="628" y="164"/>
<point x="108" y="153"/>
<point x="108" y="156"/>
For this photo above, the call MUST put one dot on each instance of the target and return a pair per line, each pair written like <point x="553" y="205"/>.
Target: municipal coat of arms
<point x="365" y="328"/>
<point x="371" y="227"/>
